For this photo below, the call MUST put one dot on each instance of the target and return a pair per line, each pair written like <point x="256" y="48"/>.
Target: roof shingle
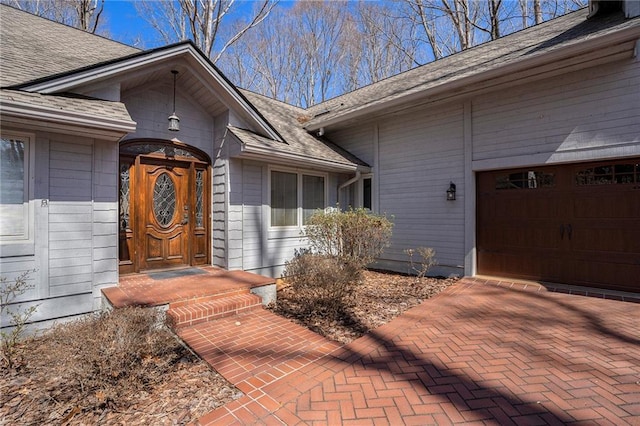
<point x="32" y="47"/>
<point x="68" y="104"/>
<point x="284" y="118"/>
<point x="537" y="40"/>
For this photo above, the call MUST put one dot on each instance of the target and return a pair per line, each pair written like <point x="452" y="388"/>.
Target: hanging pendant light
<point x="174" y="121"/>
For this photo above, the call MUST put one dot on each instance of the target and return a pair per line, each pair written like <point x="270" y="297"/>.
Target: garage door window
<point x="525" y="179"/>
<point x="621" y="173"/>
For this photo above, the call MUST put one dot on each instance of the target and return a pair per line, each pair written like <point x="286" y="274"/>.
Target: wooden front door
<point x="576" y="224"/>
<point x="164" y="207"/>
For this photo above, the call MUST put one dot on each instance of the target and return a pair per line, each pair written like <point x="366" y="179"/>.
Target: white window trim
<point x="299" y="173"/>
<point x="23" y="245"/>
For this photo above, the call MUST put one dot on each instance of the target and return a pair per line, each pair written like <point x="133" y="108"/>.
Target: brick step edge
<point x="197" y="300"/>
<point x="184" y="316"/>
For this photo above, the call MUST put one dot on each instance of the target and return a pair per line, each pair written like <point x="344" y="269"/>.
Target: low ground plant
<point x="421" y="260"/>
<point x="97" y="362"/>
<point x="18" y="317"/>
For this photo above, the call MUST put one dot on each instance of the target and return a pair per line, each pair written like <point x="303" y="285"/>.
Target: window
<point x="621" y="173"/>
<point x="312" y="196"/>
<point x="366" y="193"/>
<point x="526" y="179"/>
<point x="284" y="199"/>
<point x="295" y="197"/>
<point x="14" y="188"/>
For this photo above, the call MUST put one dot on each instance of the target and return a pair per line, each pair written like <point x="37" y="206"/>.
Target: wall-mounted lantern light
<point x="174" y="121"/>
<point x="451" y="192"/>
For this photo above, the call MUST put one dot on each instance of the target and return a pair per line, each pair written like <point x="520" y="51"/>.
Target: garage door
<point x="575" y="224"/>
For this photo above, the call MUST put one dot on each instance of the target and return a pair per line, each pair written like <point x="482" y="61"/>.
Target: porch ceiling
<point x="188" y="84"/>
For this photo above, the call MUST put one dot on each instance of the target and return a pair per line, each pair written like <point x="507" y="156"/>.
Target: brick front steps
<point x="196" y="311"/>
<point x="193" y="295"/>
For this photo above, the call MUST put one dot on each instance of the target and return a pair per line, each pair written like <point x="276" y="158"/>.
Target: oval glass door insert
<point x="164" y="200"/>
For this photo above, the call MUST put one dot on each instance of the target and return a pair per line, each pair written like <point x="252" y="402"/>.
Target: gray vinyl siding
<point x="419" y="154"/>
<point x="105" y="219"/>
<point x="218" y="195"/>
<point x="76" y="217"/>
<point x="234" y="216"/>
<point x="359" y="140"/>
<point x="70" y="217"/>
<point x="149" y="106"/>
<point x="252" y="244"/>
<point x="579" y="116"/>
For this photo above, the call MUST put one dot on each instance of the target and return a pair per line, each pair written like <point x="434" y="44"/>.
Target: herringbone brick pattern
<point x="478" y="353"/>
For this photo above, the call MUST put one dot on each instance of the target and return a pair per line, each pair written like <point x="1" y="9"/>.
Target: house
<point x="535" y="135"/>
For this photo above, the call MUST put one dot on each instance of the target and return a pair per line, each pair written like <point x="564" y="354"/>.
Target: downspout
<point x="349" y="182"/>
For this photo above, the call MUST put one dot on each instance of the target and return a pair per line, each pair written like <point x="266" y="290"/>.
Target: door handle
<point x="569" y="231"/>
<point x="185" y="218"/>
<point x="562" y="231"/>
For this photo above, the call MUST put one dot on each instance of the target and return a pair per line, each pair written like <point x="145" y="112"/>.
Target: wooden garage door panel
<point x="577" y="224"/>
<point x="606" y="203"/>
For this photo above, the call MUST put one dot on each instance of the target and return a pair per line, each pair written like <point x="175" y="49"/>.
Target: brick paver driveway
<point x="477" y="353"/>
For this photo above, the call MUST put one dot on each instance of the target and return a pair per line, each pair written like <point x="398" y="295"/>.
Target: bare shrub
<point x="9" y="338"/>
<point x="341" y="245"/>
<point x="321" y="281"/>
<point x="426" y="260"/>
<point x="355" y="236"/>
<point x="109" y="354"/>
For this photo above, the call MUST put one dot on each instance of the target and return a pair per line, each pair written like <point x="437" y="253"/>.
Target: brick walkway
<point x="477" y="353"/>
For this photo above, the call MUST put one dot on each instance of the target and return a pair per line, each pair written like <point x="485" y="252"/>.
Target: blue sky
<point x="123" y="24"/>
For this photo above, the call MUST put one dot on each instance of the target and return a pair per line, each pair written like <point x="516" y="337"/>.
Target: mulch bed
<point x="379" y="298"/>
<point x="29" y="395"/>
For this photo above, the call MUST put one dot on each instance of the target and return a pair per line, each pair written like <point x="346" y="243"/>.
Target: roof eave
<point x="455" y="86"/>
<point x="87" y="76"/>
<point x="272" y="155"/>
<point x="51" y="119"/>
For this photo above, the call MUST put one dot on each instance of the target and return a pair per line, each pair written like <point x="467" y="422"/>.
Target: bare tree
<point x="386" y="43"/>
<point x="425" y="16"/>
<point x="268" y="60"/>
<point x="537" y="11"/>
<point x="83" y="14"/>
<point x="318" y="49"/>
<point x="447" y="25"/>
<point x="452" y="25"/>
<point x="201" y="21"/>
<point x="494" y="18"/>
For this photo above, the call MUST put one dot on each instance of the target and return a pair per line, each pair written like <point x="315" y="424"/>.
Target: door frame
<point x="130" y="212"/>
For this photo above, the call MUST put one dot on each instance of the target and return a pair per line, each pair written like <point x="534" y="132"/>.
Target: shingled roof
<point x="42" y="48"/>
<point x="284" y="118"/>
<point x="535" y="41"/>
